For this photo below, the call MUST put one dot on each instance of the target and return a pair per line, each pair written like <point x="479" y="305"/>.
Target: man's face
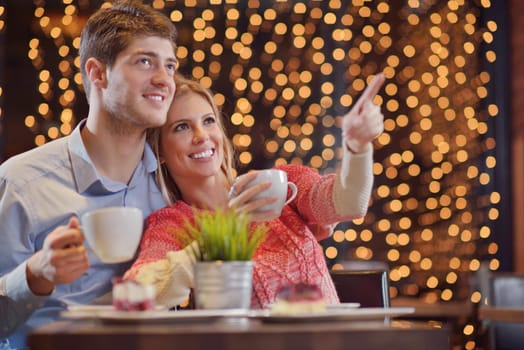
<point x="140" y="83"/>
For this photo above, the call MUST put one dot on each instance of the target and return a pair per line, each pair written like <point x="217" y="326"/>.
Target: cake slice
<point x="298" y="298"/>
<point x="130" y="295"/>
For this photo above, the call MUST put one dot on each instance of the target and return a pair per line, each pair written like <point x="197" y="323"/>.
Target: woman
<point x="196" y="171"/>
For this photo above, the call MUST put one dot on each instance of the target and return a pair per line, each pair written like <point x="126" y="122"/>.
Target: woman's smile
<point x="204" y="155"/>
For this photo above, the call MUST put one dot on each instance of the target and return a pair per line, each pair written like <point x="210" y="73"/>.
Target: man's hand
<point x="364" y="122"/>
<point x="62" y="259"/>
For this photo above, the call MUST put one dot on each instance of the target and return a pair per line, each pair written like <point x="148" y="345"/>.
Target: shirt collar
<point x="149" y="159"/>
<point x="85" y="173"/>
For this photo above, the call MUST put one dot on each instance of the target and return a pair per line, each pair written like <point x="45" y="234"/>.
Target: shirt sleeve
<point x="9" y="319"/>
<point x="16" y="246"/>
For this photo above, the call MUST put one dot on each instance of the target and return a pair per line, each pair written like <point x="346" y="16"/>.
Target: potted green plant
<point x="225" y="244"/>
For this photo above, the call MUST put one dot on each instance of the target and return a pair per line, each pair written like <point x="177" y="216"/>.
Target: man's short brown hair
<point x="110" y="30"/>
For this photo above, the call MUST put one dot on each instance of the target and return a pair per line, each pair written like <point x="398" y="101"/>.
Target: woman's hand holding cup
<point x="261" y="193"/>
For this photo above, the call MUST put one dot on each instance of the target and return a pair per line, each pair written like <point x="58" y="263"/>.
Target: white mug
<point x="113" y="233"/>
<point x="279" y="188"/>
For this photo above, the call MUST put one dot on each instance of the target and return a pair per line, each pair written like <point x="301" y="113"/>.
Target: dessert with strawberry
<point x="298" y="298"/>
<point x="130" y="295"/>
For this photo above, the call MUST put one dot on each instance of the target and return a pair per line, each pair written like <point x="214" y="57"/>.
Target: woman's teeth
<point x="204" y="154"/>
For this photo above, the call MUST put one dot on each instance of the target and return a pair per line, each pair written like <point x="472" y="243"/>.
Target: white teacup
<point x="279" y="188"/>
<point x="113" y="233"/>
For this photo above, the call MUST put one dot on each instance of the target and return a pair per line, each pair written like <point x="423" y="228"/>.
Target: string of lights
<point x="284" y="74"/>
<point x="2" y="76"/>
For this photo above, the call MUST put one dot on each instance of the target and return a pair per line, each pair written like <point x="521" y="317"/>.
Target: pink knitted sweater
<point x="290" y="253"/>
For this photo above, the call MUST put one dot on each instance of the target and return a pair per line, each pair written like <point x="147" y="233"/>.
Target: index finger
<point x="370" y="91"/>
<point x="245" y="179"/>
<point x="240" y="182"/>
<point x="67" y="239"/>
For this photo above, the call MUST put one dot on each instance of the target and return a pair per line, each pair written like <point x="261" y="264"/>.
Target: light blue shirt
<point x="40" y="190"/>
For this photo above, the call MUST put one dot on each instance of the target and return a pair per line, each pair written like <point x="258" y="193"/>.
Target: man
<point x="127" y="56"/>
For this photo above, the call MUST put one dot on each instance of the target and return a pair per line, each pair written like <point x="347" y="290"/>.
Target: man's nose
<point x="164" y="77"/>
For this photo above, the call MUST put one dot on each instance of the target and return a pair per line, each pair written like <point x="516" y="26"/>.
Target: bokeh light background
<point x="285" y="72"/>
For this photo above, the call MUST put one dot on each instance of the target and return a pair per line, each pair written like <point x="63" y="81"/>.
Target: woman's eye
<point x="181" y="127"/>
<point x="209" y="120"/>
<point x="171" y="67"/>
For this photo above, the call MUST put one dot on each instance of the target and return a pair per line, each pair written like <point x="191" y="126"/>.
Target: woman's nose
<point x="200" y="135"/>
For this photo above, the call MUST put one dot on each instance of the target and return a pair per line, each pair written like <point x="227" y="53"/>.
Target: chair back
<point x="370" y="288"/>
<point x="506" y="290"/>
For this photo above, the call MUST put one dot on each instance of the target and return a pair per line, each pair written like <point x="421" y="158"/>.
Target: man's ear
<point x="96" y="72"/>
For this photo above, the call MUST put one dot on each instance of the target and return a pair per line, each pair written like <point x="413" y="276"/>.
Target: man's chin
<point x="155" y="122"/>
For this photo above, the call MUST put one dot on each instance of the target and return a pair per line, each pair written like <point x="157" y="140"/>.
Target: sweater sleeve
<point x="158" y="238"/>
<point x="161" y="261"/>
<point x="352" y="189"/>
<point x="323" y="201"/>
<point x="171" y="276"/>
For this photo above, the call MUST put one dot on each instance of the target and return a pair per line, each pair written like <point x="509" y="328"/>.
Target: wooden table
<point x="501" y="314"/>
<point x="456" y="314"/>
<point x="242" y="334"/>
<point x="505" y="326"/>
<point x="451" y="310"/>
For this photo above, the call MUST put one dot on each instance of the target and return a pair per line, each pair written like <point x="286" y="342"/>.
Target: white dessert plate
<point x="347" y="314"/>
<point x="89" y="308"/>
<point x="92" y="311"/>
<point x="342" y="306"/>
<point x="85" y="311"/>
<point x="115" y="316"/>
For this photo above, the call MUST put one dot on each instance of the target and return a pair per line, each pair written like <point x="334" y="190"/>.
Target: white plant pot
<point x="223" y="284"/>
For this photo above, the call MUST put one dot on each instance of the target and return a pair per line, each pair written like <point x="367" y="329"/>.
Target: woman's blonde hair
<point x="168" y="187"/>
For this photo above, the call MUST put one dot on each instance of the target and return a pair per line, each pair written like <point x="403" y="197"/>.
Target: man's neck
<point x="115" y="155"/>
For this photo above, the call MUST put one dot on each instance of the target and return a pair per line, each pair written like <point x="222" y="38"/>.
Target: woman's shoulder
<point x="296" y="170"/>
<point x="174" y="212"/>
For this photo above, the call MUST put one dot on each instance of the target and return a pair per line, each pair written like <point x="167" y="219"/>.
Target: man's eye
<point x="145" y="61"/>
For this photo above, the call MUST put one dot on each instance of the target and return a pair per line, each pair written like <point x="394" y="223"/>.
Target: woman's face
<point x="191" y="142"/>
